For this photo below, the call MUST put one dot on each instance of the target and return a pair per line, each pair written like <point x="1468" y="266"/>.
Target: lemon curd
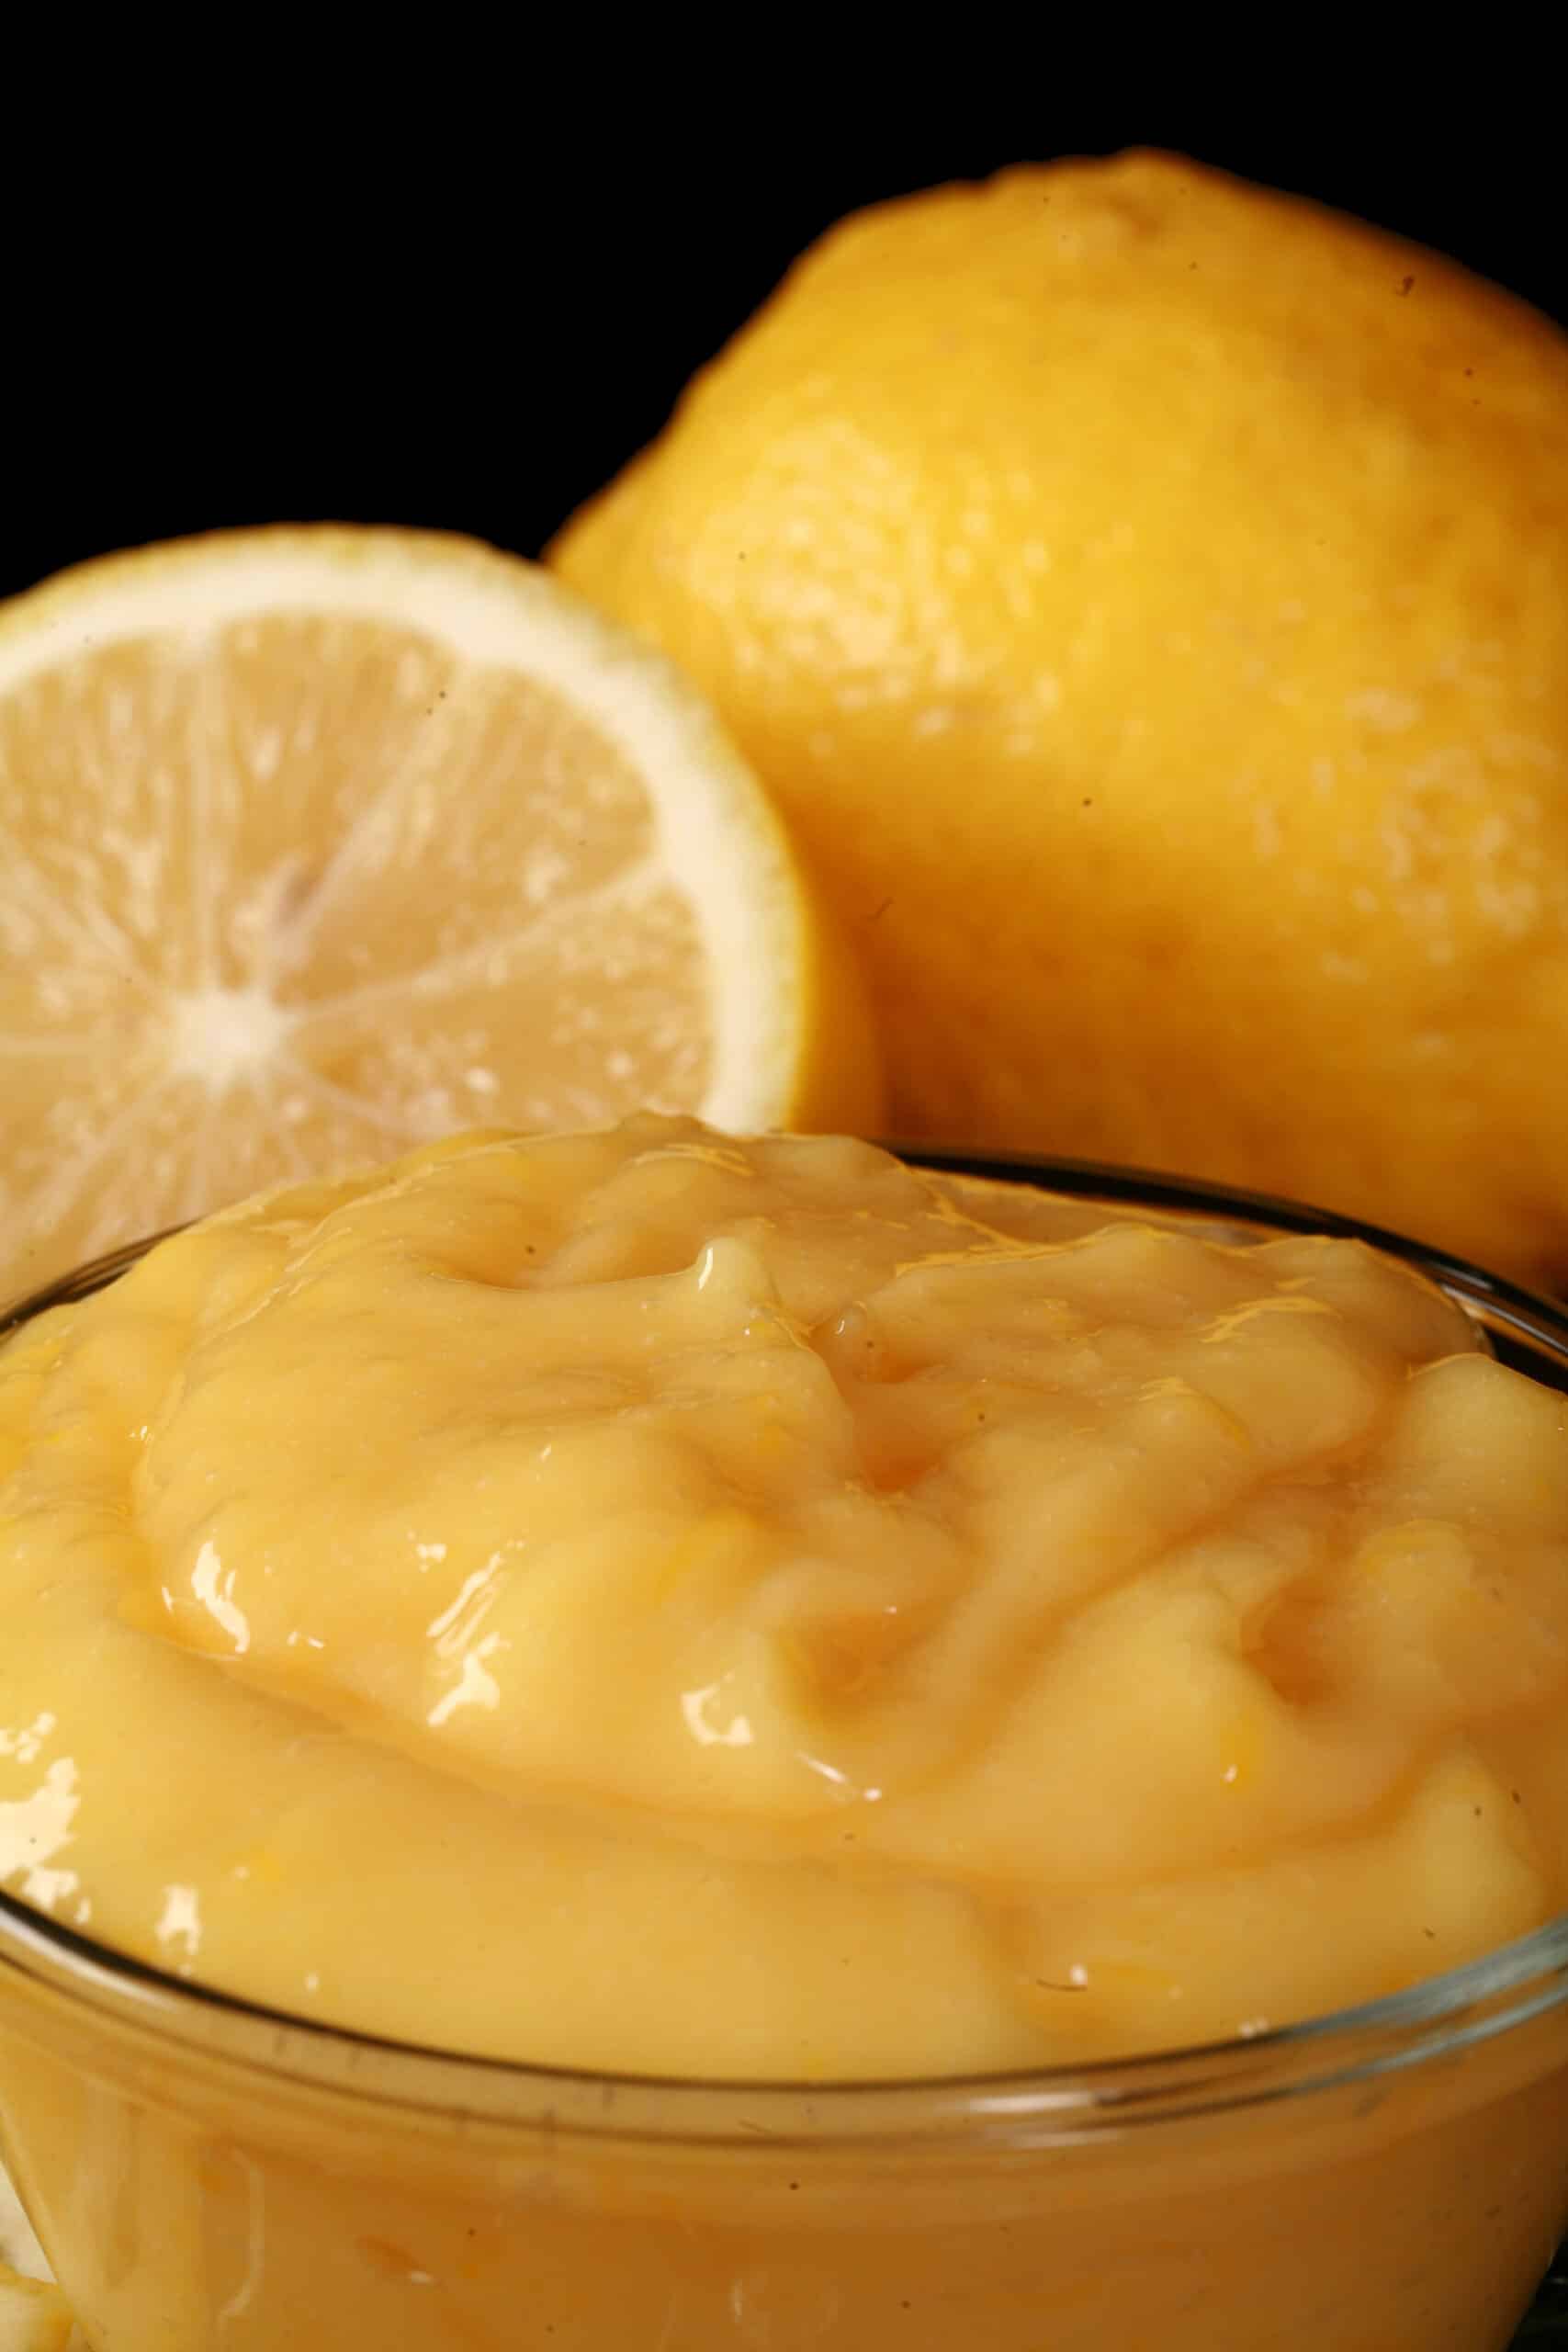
<point x="660" y="1603"/>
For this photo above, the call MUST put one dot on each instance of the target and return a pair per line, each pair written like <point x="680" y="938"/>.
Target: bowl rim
<point x="1502" y="1990"/>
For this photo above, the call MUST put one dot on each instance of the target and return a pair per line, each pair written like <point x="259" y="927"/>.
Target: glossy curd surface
<point x="680" y="1606"/>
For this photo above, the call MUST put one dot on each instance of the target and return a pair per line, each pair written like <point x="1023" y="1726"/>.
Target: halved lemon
<point x="316" y="843"/>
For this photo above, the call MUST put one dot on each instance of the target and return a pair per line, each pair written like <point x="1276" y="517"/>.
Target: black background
<point x="402" y="310"/>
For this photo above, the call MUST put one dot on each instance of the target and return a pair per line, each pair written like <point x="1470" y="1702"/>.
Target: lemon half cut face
<point x="314" y="843"/>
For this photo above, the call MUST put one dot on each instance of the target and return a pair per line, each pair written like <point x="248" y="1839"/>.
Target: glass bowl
<point x="1391" y="2178"/>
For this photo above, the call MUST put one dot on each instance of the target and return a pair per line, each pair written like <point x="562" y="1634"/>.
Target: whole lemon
<point x="1148" y="597"/>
